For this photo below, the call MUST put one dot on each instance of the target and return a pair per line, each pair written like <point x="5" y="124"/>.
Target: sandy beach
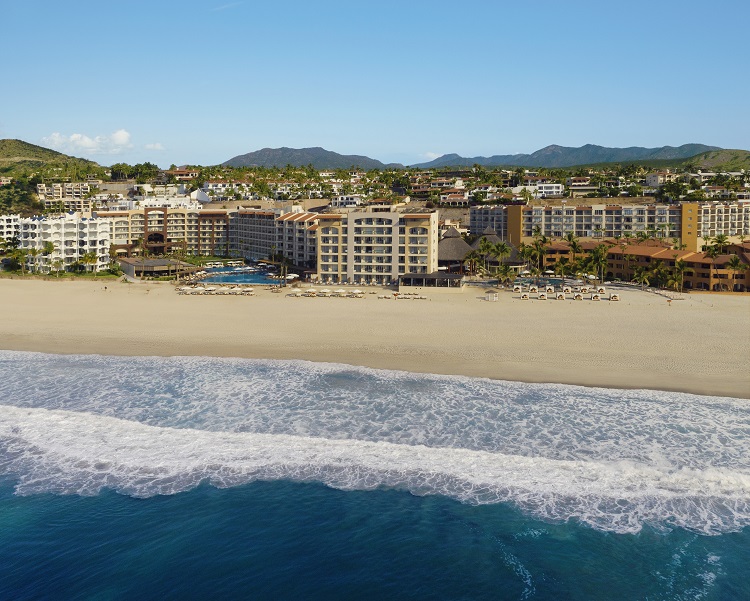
<point x="697" y="344"/>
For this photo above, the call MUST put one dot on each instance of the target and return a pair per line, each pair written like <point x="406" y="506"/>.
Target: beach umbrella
<point x="340" y="291"/>
<point x="356" y="291"/>
<point x="326" y="291"/>
<point x="549" y="271"/>
<point x="592" y="277"/>
<point x="526" y="272"/>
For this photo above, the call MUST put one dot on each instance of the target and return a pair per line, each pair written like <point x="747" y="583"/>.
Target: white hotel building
<point x="71" y="235"/>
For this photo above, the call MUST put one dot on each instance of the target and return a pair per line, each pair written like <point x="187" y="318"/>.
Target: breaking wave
<point x="613" y="459"/>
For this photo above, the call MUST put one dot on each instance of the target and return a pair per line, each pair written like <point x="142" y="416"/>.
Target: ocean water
<point x="196" y="478"/>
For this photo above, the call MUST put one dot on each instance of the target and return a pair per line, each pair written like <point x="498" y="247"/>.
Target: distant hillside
<point x="727" y="160"/>
<point x="724" y="160"/>
<point x="17" y="155"/>
<point x="300" y="157"/>
<point x="562" y="156"/>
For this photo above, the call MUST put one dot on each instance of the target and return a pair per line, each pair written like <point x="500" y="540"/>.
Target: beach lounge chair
<point x="578" y="296"/>
<point x="542" y="296"/>
<point x="595" y="297"/>
<point x="516" y="288"/>
<point x="614" y="297"/>
<point x="566" y="289"/>
<point x="560" y="296"/>
<point x="524" y="296"/>
<point x="600" y="290"/>
<point x="549" y="289"/>
<point x="533" y="289"/>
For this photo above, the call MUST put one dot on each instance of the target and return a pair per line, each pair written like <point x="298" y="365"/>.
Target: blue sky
<point x="201" y="81"/>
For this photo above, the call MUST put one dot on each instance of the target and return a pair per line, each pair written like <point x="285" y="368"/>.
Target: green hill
<point x="723" y="160"/>
<point x="726" y="160"/>
<point x="18" y="157"/>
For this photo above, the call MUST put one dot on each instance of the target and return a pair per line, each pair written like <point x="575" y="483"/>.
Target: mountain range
<point x="319" y="158"/>
<point x="550" y="156"/>
<point x="562" y="156"/>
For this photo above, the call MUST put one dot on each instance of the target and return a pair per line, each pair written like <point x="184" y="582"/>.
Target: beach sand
<point x="697" y="344"/>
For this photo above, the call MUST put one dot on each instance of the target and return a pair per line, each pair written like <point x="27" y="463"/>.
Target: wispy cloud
<point x="154" y="146"/>
<point x="226" y="6"/>
<point x="114" y="143"/>
<point x="431" y="155"/>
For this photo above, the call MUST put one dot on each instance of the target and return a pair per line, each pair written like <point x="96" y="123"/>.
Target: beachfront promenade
<point x="695" y="344"/>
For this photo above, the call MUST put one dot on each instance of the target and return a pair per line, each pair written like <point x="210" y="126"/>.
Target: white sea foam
<point x="74" y="452"/>
<point x="342" y="402"/>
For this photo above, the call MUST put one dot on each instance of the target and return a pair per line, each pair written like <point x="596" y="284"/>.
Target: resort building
<point x="71" y="237"/>
<point x="259" y="234"/>
<point x="252" y="234"/>
<point x="624" y="260"/>
<point x="296" y="237"/>
<point x="162" y="230"/>
<point x="687" y="221"/>
<point x="376" y="245"/>
<point x="68" y="204"/>
<point x="728" y="218"/>
<point x="63" y="190"/>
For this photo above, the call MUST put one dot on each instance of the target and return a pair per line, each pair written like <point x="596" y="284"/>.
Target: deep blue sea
<point x="201" y="478"/>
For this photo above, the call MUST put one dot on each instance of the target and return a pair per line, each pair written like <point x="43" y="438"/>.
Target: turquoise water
<point x="239" y="277"/>
<point x="194" y="478"/>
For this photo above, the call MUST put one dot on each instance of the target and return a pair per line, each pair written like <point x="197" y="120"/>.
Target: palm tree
<point x="90" y="258"/>
<point x="485" y="249"/>
<point x="641" y="277"/>
<point x="20" y="254"/>
<point x="525" y="252"/>
<point x="501" y="250"/>
<point x="34" y="253"/>
<point x="57" y="265"/>
<point x="540" y="251"/>
<point x="659" y="273"/>
<point x="721" y="241"/>
<point x="562" y="267"/>
<point x="472" y="260"/>
<point x="47" y="249"/>
<point x="573" y="244"/>
<point x="599" y="260"/>
<point x="678" y="274"/>
<point x="505" y="273"/>
<point x="711" y="252"/>
<point x="736" y="265"/>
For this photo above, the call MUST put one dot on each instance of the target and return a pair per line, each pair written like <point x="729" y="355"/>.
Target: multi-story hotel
<point x="60" y="191"/>
<point x="377" y="245"/>
<point x="703" y="272"/>
<point x="372" y="245"/>
<point x="688" y="221"/>
<point x="257" y="234"/>
<point x="72" y="237"/>
<point x="170" y="229"/>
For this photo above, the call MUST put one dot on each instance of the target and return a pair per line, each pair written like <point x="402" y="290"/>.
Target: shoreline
<point x="693" y="345"/>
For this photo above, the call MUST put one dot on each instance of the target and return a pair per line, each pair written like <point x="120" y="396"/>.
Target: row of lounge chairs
<point x="532" y="289"/>
<point x="216" y="291"/>
<point x="595" y="296"/>
<point x="407" y="296"/>
<point x="320" y="294"/>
